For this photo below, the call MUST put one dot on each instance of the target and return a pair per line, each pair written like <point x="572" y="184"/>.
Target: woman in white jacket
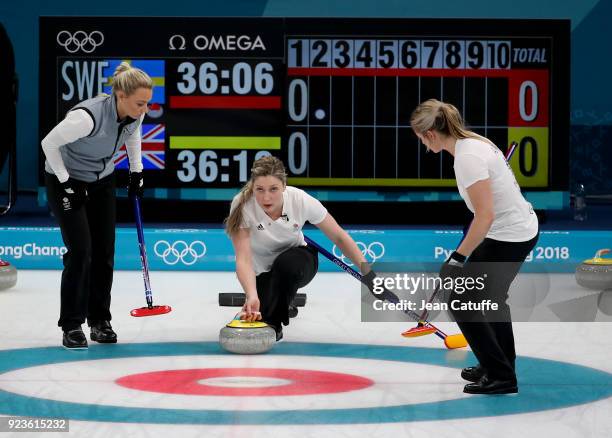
<point x="272" y="258"/>
<point x="503" y="232"/>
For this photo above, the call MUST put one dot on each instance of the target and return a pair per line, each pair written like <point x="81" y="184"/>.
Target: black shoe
<point x="279" y="331"/>
<point x="293" y="311"/>
<point x="74" y="339"/>
<point x="472" y="374"/>
<point x="103" y="333"/>
<point x="489" y="386"/>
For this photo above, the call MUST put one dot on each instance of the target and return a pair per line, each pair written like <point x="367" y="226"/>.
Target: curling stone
<point x="8" y="275"/>
<point x="595" y="273"/>
<point x="244" y="337"/>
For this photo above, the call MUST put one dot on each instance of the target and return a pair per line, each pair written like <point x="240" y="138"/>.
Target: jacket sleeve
<point x="77" y="124"/>
<point x="133" y="146"/>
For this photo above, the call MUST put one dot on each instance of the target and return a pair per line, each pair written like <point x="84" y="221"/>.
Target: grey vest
<point x="91" y="158"/>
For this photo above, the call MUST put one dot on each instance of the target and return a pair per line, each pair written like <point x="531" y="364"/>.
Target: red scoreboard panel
<point x="331" y="97"/>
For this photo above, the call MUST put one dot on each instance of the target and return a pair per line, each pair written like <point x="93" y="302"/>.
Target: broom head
<point x="150" y="311"/>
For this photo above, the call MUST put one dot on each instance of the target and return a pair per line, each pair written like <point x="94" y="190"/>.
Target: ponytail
<point x="234" y="221"/>
<point x="442" y="117"/>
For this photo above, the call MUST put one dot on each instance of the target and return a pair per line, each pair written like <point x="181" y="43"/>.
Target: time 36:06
<point x="241" y="78"/>
<point x="209" y="168"/>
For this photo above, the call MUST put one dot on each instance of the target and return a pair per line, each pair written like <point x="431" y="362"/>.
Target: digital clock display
<point x="331" y="97"/>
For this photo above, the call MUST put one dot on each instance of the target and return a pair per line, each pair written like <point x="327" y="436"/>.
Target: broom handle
<point x="143" y="252"/>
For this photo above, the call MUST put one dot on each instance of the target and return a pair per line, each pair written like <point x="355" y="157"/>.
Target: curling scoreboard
<point x="331" y="97"/>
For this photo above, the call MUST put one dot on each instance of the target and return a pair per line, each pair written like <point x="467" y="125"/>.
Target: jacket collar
<point x="112" y="101"/>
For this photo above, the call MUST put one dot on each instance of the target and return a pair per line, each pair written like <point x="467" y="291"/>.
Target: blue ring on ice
<point x="544" y="384"/>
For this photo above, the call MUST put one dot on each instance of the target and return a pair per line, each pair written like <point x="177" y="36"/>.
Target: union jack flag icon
<point x="153" y="149"/>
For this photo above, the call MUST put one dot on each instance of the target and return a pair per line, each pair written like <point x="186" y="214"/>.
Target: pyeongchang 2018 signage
<point x="211" y="249"/>
<point x="32" y="248"/>
<point x="43" y="248"/>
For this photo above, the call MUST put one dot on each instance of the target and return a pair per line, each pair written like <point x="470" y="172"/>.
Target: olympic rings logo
<point x="80" y="40"/>
<point x="371" y="252"/>
<point x="180" y="251"/>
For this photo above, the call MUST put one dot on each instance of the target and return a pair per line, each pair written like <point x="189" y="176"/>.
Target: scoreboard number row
<point x="532" y="150"/>
<point x="297" y="101"/>
<point x="417" y="54"/>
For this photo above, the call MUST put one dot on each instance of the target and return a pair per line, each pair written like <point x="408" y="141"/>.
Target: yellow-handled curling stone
<point x="595" y="273"/>
<point x="244" y="337"/>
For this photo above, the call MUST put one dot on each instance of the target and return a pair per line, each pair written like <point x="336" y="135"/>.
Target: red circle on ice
<point x="288" y="382"/>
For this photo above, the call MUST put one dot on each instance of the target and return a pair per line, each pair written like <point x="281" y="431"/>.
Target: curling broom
<point x="150" y="310"/>
<point x="451" y="341"/>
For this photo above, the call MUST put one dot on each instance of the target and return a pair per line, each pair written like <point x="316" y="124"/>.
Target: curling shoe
<point x="74" y="339"/>
<point x="279" y="335"/>
<point x="279" y="331"/>
<point x="489" y="386"/>
<point x="103" y="333"/>
<point x="472" y="374"/>
<point x="293" y="311"/>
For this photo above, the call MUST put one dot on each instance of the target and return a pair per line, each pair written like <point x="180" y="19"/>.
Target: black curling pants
<point x="89" y="236"/>
<point x="490" y="333"/>
<point x="291" y="270"/>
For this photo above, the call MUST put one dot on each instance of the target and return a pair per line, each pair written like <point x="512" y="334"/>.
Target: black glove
<point x="135" y="185"/>
<point x="74" y="194"/>
<point x="453" y="266"/>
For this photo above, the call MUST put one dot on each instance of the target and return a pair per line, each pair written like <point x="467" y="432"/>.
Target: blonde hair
<point x="442" y="117"/>
<point x="265" y="166"/>
<point x="129" y="79"/>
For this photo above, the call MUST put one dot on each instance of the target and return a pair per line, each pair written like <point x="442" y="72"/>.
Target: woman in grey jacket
<point x="79" y="175"/>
